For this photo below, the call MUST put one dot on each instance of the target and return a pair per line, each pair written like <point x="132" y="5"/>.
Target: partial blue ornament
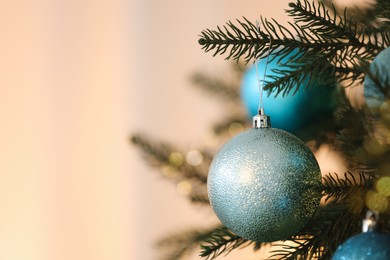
<point x="365" y="246"/>
<point x="377" y="93"/>
<point x="264" y="184"/>
<point x="291" y="112"/>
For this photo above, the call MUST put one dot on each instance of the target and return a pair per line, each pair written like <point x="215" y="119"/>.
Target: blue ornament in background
<point x="375" y="95"/>
<point x="291" y="112"/>
<point x="365" y="246"/>
<point x="372" y="244"/>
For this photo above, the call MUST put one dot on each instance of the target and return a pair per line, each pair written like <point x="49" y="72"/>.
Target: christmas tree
<point x="323" y="53"/>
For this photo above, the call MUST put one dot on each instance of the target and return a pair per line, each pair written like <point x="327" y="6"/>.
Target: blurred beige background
<point x="76" y="79"/>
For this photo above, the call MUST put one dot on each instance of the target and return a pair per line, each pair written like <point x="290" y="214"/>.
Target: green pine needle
<point x="353" y="129"/>
<point x="216" y="86"/>
<point x="332" y="225"/>
<point x="223" y="241"/>
<point x="329" y="45"/>
<point x="226" y="124"/>
<point x="339" y="190"/>
<point x="159" y="155"/>
<point x="175" y="246"/>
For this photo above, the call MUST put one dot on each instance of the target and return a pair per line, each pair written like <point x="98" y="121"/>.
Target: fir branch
<point x="332" y="225"/>
<point x="339" y="189"/>
<point x="353" y="129"/>
<point x="199" y="198"/>
<point x="216" y="86"/>
<point x="198" y="195"/>
<point x="158" y="155"/>
<point x="330" y="33"/>
<point x="362" y="43"/>
<point x="329" y="45"/>
<point x="227" y="124"/>
<point x="295" y="249"/>
<point x="293" y="76"/>
<point x="318" y="20"/>
<point x="178" y="245"/>
<point x="382" y="8"/>
<point x="373" y="18"/>
<point x="246" y="40"/>
<point x="223" y="241"/>
<point x="361" y="136"/>
<point x="328" y="26"/>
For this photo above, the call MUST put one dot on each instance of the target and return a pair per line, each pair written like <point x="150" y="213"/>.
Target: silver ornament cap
<point x="261" y="120"/>
<point x="370" y="223"/>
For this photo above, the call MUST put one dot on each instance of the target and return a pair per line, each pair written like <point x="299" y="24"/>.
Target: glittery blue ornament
<point x="375" y="95"/>
<point x="264" y="184"/>
<point x="365" y="246"/>
<point x="310" y="103"/>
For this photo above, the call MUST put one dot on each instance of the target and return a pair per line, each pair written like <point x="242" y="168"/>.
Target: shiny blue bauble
<point x="375" y="95"/>
<point x="290" y="112"/>
<point x="365" y="246"/>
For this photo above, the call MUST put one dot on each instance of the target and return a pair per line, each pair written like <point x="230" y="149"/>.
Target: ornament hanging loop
<point x="261" y="120"/>
<point x="261" y="82"/>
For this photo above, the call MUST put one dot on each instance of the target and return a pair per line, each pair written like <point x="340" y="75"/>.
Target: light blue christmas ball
<point x="291" y="112"/>
<point x="365" y="246"/>
<point x="375" y="95"/>
<point x="264" y="184"/>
